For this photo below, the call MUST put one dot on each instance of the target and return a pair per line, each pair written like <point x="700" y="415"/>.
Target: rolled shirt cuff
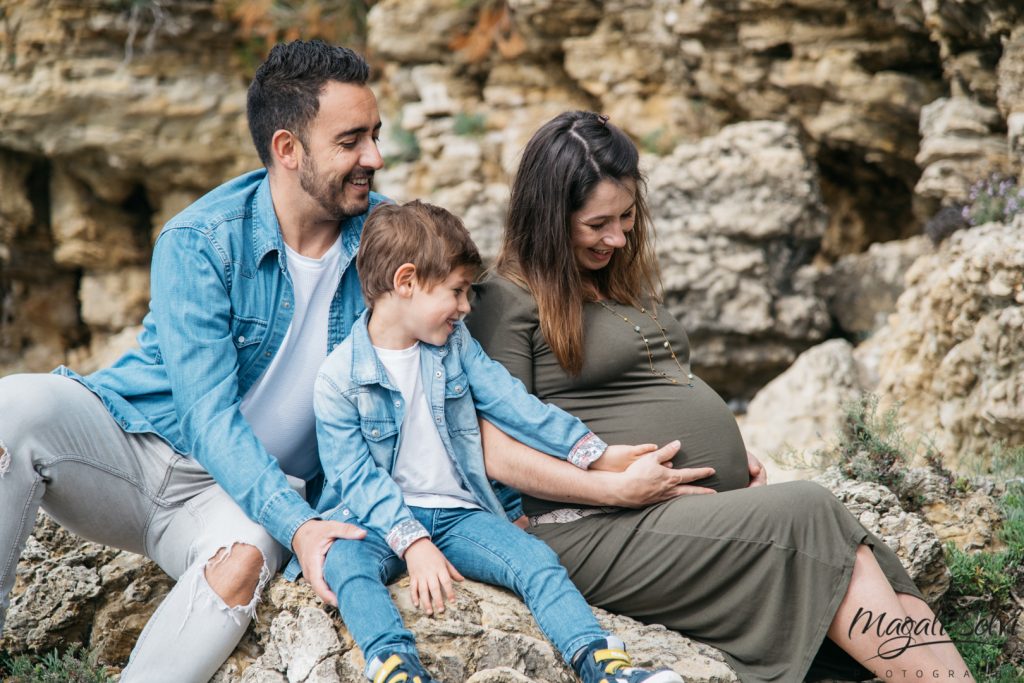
<point x="587" y="450"/>
<point x="404" y="534"/>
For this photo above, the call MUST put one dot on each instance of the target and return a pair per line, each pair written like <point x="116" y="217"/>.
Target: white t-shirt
<point x="279" y="406"/>
<point x="423" y="470"/>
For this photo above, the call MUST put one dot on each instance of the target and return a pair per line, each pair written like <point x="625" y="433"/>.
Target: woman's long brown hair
<point x="562" y="165"/>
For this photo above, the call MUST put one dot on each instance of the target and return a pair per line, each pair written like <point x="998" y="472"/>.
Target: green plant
<point x="872" y="447"/>
<point x="997" y="198"/>
<point x="74" y="665"/>
<point x="469" y="124"/>
<point x="981" y="575"/>
<point x="981" y="653"/>
<point x="1012" y="533"/>
<point x="984" y="588"/>
<point x="403" y="145"/>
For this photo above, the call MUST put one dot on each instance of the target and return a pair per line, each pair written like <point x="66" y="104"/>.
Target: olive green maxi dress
<point x="758" y="573"/>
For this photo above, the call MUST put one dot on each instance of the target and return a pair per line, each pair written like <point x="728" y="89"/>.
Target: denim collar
<point x="266" y="231"/>
<point x="366" y="365"/>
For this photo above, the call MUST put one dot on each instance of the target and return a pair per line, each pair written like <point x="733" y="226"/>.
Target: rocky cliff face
<point x="115" y="115"/>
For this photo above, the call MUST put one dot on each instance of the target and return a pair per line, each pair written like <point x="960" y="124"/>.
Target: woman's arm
<point x="650" y="479"/>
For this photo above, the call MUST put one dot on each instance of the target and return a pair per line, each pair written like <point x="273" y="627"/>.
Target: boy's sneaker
<point x="398" y="669"/>
<point x="606" y="661"/>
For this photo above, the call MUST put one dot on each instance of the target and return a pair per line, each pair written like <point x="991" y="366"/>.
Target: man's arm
<point x="192" y="310"/>
<point x="650" y="479"/>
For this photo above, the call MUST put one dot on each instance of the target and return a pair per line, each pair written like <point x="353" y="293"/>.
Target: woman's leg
<point x="920" y="612"/>
<point x="863" y="626"/>
<point x="757" y="573"/>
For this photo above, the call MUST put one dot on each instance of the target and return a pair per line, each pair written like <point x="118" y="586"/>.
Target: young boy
<point x="396" y="408"/>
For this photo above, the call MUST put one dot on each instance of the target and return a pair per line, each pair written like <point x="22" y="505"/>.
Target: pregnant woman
<point x="774" y="576"/>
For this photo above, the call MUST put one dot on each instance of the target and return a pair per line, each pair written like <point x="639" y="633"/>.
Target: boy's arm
<point x="365" y="488"/>
<point x="192" y="309"/>
<point x="503" y="400"/>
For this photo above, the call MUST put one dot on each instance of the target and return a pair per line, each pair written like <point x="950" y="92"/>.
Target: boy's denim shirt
<point x="359" y="415"/>
<point x="221" y="302"/>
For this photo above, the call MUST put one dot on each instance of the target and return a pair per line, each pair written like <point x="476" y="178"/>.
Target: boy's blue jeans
<point x="483" y="547"/>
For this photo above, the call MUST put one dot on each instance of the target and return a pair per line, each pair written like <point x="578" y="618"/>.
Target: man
<point x="252" y="286"/>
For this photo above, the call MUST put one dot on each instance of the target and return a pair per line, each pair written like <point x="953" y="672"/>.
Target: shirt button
<point x="241" y="340"/>
<point x="437" y="374"/>
<point x="346" y="512"/>
<point x="266" y="354"/>
<point x="398" y="404"/>
<point x="376" y="432"/>
<point x="438" y="420"/>
<point x="689" y="375"/>
<point x="458" y="387"/>
<point x="287" y="304"/>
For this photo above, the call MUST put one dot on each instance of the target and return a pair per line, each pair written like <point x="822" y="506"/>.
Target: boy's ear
<point x="405" y="279"/>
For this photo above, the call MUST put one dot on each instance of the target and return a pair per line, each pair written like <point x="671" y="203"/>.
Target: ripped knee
<point x="237" y="574"/>
<point x="5" y="459"/>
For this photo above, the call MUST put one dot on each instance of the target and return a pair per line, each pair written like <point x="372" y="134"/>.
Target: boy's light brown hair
<point x="427" y="236"/>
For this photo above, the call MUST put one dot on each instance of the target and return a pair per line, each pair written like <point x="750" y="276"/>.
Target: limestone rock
<point x="58" y="581"/>
<point x="958" y="148"/>
<point x="89" y="233"/>
<point x="433" y="22"/>
<point x="736" y="214"/>
<point x="953" y="351"/>
<point x="114" y="300"/>
<point x="913" y="540"/>
<point x="16" y="213"/>
<point x="1011" y="95"/>
<point x="967" y="32"/>
<point x="801" y="410"/>
<point x="970" y="523"/>
<point x="488" y="635"/>
<point x="862" y="289"/>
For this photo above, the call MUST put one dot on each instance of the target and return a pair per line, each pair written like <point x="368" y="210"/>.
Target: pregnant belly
<point x="697" y="416"/>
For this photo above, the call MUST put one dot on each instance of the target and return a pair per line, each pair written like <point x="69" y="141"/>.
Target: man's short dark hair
<point x="285" y="92"/>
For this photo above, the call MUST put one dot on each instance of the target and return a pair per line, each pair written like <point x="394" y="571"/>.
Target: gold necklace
<point x="653" y="315"/>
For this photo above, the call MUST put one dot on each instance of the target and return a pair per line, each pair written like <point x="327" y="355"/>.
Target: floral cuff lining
<point x="587" y="450"/>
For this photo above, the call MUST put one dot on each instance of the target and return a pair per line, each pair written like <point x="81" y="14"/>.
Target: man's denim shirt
<point x="221" y="302"/>
<point x="359" y="415"/>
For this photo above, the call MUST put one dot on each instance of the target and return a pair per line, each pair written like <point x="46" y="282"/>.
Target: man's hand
<point x="430" y="576"/>
<point x="758" y="474"/>
<point x="618" y="458"/>
<point x="311" y="543"/>
<point x="651" y="479"/>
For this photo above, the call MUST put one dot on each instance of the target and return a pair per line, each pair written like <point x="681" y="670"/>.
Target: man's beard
<point x="328" y="193"/>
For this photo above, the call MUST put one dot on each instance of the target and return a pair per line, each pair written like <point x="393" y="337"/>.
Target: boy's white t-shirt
<point x="279" y="406"/>
<point x="423" y="470"/>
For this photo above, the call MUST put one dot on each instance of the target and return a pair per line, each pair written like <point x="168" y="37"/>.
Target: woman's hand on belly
<point x="758" y="474"/>
<point x="650" y="479"/>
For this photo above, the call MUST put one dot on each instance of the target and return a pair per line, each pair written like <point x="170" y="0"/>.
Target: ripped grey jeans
<point x="60" y="448"/>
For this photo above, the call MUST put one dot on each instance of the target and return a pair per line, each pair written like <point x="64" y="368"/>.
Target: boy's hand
<point x="430" y="576"/>
<point x="618" y="458"/>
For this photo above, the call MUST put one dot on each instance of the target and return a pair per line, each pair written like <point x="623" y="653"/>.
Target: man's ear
<point x="286" y="149"/>
<point x="404" y="280"/>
